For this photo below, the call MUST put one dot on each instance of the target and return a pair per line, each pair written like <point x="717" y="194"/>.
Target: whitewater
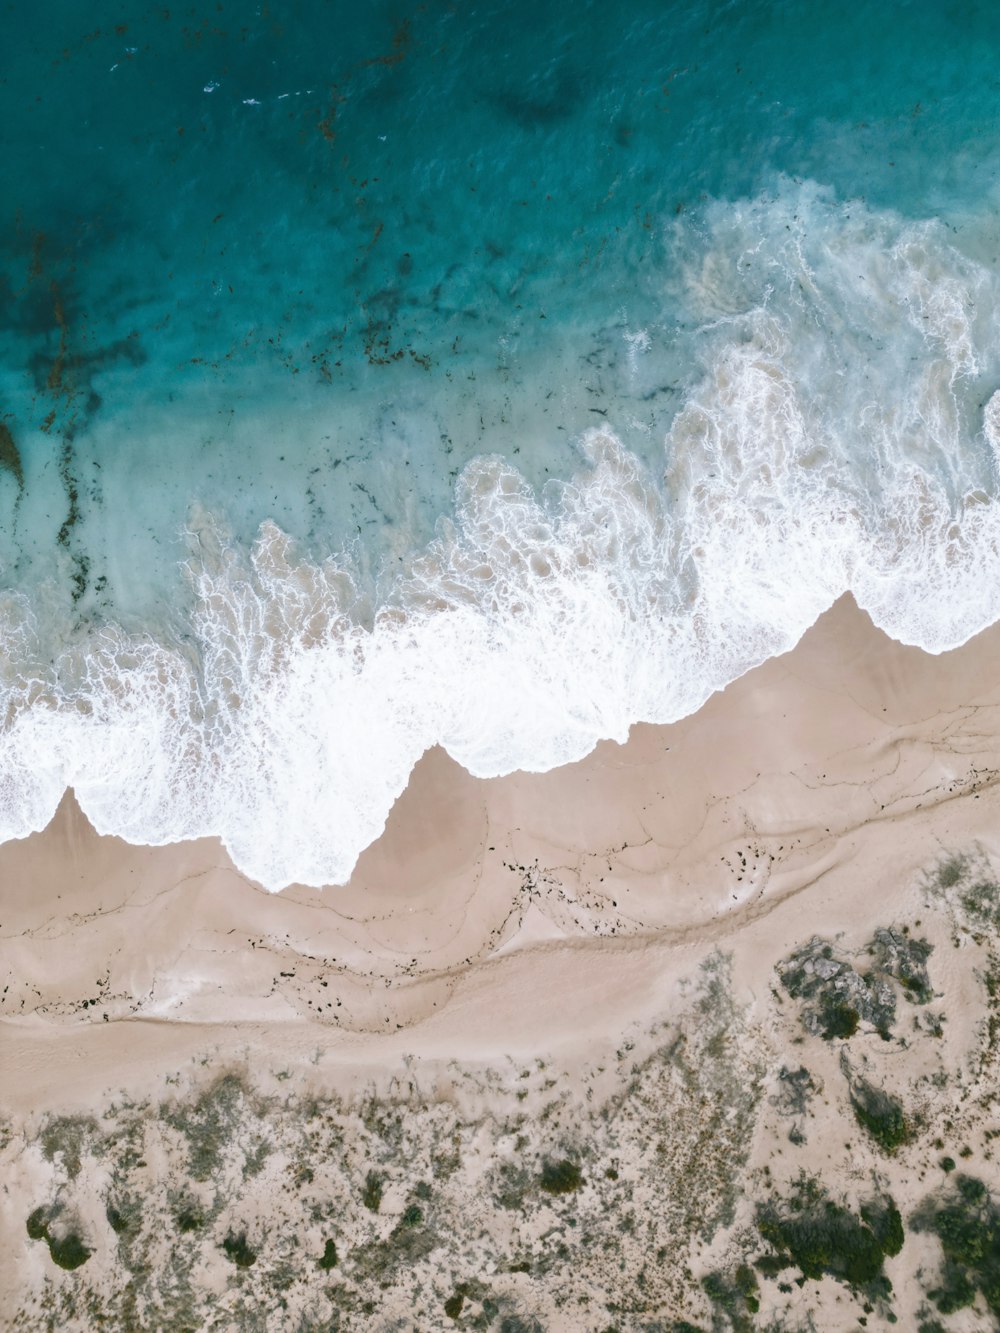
<point x="841" y="435"/>
<point x="492" y="378"/>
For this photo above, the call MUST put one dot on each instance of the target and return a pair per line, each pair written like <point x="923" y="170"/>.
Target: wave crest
<point x="840" y="436"/>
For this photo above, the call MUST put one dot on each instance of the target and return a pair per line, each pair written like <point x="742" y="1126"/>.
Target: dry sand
<point x="533" y="918"/>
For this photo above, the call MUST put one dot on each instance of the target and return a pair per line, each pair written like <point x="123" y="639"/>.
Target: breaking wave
<point x="840" y="435"/>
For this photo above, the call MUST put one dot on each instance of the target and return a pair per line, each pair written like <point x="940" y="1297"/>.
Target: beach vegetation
<point x="967" y="883"/>
<point x="820" y="1237"/>
<point x="254" y="1161"/>
<point x="208" y="1124"/>
<point x="951" y="870"/>
<point x="125" y="1216"/>
<point x="238" y="1251"/>
<point x="37" y="1224"/>
<point x="66" y="1247"/>
<point x="371" y="1195"/>
<point x="562" y="1177"/>
<point x="66" y="1137"/>
<point x="796" y="1088"/>
<point x="734" y="1295"/>
<point x="837" y="1018"/>
<point x="10" y="457"/>
<point x="881" y="1115"/>
<point x="513" y="1183"/>
<point x="966" y="1221"/>
<point x="68" y="1251"/>
<point x="190" y="1218"/>
<point x="979" y="902"/>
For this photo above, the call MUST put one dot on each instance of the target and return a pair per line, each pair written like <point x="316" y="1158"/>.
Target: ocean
<point x="490" y="375"/>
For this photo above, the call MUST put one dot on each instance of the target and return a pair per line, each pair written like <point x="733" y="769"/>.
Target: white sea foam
<point x="842" y="435"/>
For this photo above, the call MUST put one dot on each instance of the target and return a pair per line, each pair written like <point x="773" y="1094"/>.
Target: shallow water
<point x="492" y="375"/>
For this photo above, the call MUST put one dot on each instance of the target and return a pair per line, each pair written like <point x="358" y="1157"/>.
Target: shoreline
<point x="563" y="1005"/>
<point x="689" y="834"/>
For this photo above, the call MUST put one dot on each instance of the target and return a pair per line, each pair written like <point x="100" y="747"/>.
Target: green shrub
<point x="238" y="1251"/>
<point x="837" y="1018"/>
<point x="734" y="1295"/>
<point x="371" y="1195"/>
<point x="561" y="1177"/>
<point x="68" y="1251"/>
<point x="189" y="1219"/>
<point x="821" y="1237"/>
<point x="967" y="1223"/>
<point x="881" y="1115"/>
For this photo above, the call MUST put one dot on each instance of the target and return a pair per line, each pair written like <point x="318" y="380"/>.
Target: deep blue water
<point x="308" y="265"/>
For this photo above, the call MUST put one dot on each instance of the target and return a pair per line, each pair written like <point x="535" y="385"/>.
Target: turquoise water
<point x="494" y="375"/>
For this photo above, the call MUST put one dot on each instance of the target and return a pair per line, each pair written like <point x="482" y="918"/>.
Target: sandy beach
<point x="554" y="935"/>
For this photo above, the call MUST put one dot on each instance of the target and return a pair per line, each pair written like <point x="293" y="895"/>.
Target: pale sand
<point x="487" y="904"/>
<point x="518" y="916"/>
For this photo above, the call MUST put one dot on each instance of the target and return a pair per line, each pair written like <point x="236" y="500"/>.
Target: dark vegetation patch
<point x="371" y="1195"/>
<point x="238" y="1251"/>
<point x="966" y="1221"/>
<point x="735" y="1296"/>
<point x="190" y="1219"/>
<point x="979" y="902"/>
<point x="37" y="1224"/>
<point x="811" y="1232"/>
<point x="951" y="870"/>
<point x="328" y="1259"/>
<point x="796" y="1089"/>
<point x="562" y="1177"/>
<point x="68" y="1251"/>
<point x="65" y="1246"/>
<point x="513" y="1184"/>
<point x="124" y="1216"/>
<point x="880" y="1114"/>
